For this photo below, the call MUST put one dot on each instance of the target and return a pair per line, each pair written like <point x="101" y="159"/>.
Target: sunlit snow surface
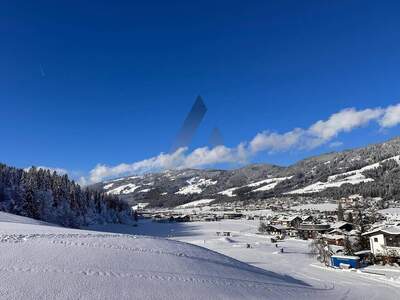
<point x="197" y="203"/>
<point x="124" y="189"/>
<point x="294" y="263"/>
<point x="267" y="184"/>
<point x="351" y="177"/>
<point x="195" y="186"/>
<point x="46" y="262"/>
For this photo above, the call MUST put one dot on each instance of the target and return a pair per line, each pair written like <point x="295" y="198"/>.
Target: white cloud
<point x="391" y="117"/>
<point x="319" y="133"/>
<point x="180" y="159"/>
<point x="220" y="154"/>
<point x="343" y="121"/>
<point x="274" y="141"/>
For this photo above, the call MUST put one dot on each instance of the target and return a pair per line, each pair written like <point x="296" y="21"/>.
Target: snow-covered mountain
<point x="371" y="171"/>
<point x="40" y="261"/>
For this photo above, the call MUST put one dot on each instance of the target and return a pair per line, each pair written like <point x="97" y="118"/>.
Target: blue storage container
<point x="352" y="261"/>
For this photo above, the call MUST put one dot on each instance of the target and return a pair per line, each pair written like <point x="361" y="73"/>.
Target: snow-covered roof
<point x="362" y="252"/>
<point x="354" y="232"/>
<point x="336" y="230"/>
<point x="339" y="224"/>
<point x="279" y="227"/>
<point x="336" y="248"/>
<point x="288" y="218"/>
<point x="392" y="230"/>
<point x="334" y="236"/>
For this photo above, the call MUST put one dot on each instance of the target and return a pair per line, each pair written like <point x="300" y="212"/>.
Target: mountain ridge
<point x="263" y="181"/>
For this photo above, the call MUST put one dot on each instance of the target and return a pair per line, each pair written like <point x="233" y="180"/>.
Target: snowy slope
<point x="352" y="177"/>
<point x="229" y="192"/>
<point x="195" y="186"/>
<point x="45" y="262"/>
<point x="270" y="183"/>
<point x="123" y="189"/>
<point x="197" y="203"/>
<point x="11" y="218"/>
<point x="258" y="186"/>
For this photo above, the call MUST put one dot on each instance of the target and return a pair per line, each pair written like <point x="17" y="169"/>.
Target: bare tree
<point x="262" y="227"/>
<point x="320" y="249"/>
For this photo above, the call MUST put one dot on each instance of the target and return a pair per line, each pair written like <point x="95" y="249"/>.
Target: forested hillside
<point x="47" y="196"/>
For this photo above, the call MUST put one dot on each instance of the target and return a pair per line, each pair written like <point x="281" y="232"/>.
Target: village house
<point x="232" y="216"/>
<point x="311" y="231"/>
<point x="289" y="221"/>
<point x="276" y="229"/>
<point x="210" y="218"/>
<point x="338" y="232"/>
<point x="341" y="227"/>
<point x="307" y="218"/>
<point x="334" y="239"/>
<point x="385" y="241"/>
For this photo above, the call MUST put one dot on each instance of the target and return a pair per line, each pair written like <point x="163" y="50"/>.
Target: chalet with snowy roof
<point x="307" y="218"/>
<point x="385" y="241"/>
<point x="341" y="228"/>
<point x="334" y="239"/>
<point x="311" y="231"/>
<point x="276" y="229"/>
<point x="289" y="221"/>
<point x="338" y="233"/>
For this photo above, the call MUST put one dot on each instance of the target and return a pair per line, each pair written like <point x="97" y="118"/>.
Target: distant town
<point x="349" y="233"/>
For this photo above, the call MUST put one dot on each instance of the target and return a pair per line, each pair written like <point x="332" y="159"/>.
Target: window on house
<point x="393" y="241"/>
<point x="376" y="240"/>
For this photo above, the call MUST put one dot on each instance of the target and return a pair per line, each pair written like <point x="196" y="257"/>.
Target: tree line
<point x="47" y="196"/>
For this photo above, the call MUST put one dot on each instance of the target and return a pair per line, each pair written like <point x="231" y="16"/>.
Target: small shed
<point x="339" y="260"/>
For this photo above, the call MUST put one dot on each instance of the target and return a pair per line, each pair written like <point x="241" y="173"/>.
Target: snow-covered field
<point x="46" y="262"/>
<point x="39" y="261"/>
<point x="294" y="263"/>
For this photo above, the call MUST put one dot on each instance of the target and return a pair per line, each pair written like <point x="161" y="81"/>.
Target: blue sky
<point x="111" y="82"/>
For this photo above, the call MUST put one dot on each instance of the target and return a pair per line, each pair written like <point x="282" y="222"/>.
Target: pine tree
<point x="47" y="196"/>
